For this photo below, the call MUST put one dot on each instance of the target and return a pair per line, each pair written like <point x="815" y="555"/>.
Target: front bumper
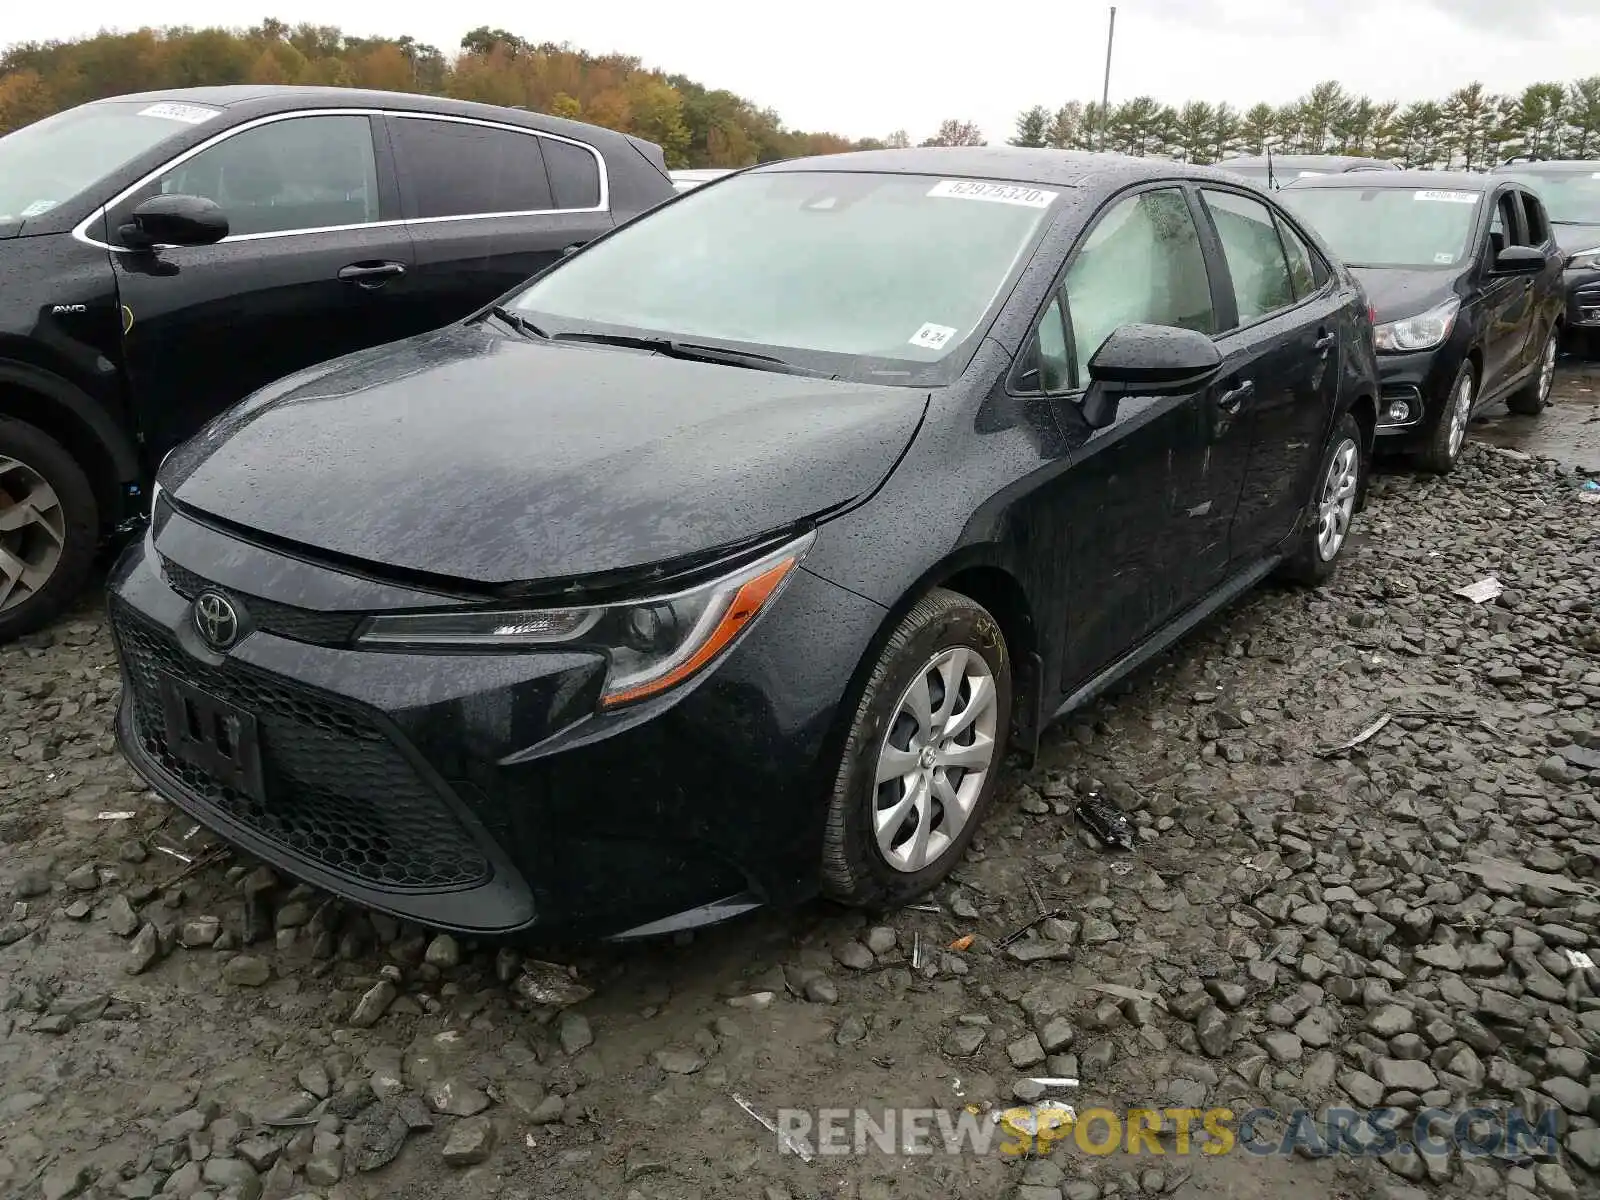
<point x="480" y="792"/>
<point x="1421" y="383"/>
<point x="1583" y="299"/>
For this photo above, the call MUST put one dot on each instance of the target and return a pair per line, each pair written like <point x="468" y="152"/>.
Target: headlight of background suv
<point x="1584" y="260"/>
<point x="654" y="644"/>
<point x="1421" y="332"/>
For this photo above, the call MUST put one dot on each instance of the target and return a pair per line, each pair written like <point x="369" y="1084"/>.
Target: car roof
<point x="1552" y="166"/>
<point x="1044" y="167"/>
<point x="269" y="98"/>
<point x="1302" y="160"/>
<point x="1460" y="181"/>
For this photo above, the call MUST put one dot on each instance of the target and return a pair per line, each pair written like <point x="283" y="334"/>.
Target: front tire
<point x="1333" y="506"/>
<point x="1530" y="399"/>
<point x="923" y="756"/>
<point x="1449" y="433"/>
<point x="49" y="522"/>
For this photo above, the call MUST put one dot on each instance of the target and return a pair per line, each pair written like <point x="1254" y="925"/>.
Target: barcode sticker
<point x="189" y="114"/>
<point x="1448" y="197"/>
<point x="995" y="193"/>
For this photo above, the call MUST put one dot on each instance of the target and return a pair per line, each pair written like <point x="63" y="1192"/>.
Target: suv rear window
<point x="454" y="169"/>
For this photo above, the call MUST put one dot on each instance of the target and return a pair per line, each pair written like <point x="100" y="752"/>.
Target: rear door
<point x="490" y="205"/>
<point x="315" y="265"/>
<point x="1280" y="375"/>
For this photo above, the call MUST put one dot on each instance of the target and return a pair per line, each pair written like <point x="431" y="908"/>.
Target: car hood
<point x="491" y="460"/>
<point x="1572" y="238"/>
<point x="1396" y="292"/>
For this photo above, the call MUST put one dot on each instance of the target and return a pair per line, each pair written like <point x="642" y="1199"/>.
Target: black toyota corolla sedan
<point x="1465" y="280"/>
<point x="723" y="562"/>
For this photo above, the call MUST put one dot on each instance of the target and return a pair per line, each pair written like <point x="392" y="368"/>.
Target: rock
<point x="963" y="1041"/>
<point x="232" y="1174"/>
<point x="881" y="939"/>
<point x="1390" y="1020"/>
<point x="443" y="952"/>
<point x="1366" y="1091"/>
<point x="855" y="956"/>
<point x="246" y="970"/>
<point x="819" y="989"/>
<point x="1283" y="1047"/>
<point x="1554" y="1182"/>
<point x="1214" y="1032"/>
<point x="470" y="1142"/>
<point x="453" y="1098"/>
<point x="374" y="1002"/>
<point x="572" y="1030"/>
<point x="199" y="932"/>
<point x="1440" y="955"/>
<point x="1057" y="1034"/>
<point x="680" y="1062"/>
<point x="31" y="882"/>
<point x="1025" y="1052"/>
<point x="1098" y="932"/>
<point x="548" y="1111"/>
<point x="549" y="984"/>
<point x="1584" y="1146"/>
<point x="1398" y="1074"/>
<point x="1568" y="1093"/>
<point x="314" y="1079"/>
<point x="324" y="1168"/>
<point x="66" y="1180"/>
<point x="83" y="878"/>
<point x="121" y="918"/>
<point x="1228" y="995"/>
<point x="143" y="951"/>
<point x="1317" y="1028"/>
<point x="259" y="1152"/>
<point x="851" y="1030"/>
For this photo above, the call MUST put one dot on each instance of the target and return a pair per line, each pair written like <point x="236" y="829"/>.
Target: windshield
<point x="1389" y="227"/>
<point x="872" y="277"/>
<point x="1571" y="197"/>
<point x="53" y="160"/>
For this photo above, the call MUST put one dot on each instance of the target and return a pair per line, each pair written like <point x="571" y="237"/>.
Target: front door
<point x="1140" y="503"/>
<point x="1506" y="298"/>
<point x="312" y="268"/>
<point x="1280" y="375"/>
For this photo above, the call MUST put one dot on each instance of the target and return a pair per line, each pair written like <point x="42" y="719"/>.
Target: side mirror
<point x="175" y="221"/>
<point x="1146" y="360"/>
<point x="1518" y="260"/>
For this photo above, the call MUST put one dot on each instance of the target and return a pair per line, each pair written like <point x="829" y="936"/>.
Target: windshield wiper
<point x="694" y="352"/>
<point x="519" y="322"/>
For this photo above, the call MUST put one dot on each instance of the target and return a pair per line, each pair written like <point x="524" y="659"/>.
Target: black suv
<point x="164" y="255"/>
<point x="1464" y="276"/>
<point x="1570" y="190"/>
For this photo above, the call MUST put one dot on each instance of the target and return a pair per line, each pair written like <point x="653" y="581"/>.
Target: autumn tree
<point x="956" y="133"/>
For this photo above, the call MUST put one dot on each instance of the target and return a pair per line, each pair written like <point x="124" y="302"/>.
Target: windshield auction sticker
<point x="1448" y="197"/>
<point x="932" y="337"/>
<point x="189" y="114"/>
<point x="995" y="193"/>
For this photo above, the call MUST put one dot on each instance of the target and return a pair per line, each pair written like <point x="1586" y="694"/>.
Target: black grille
<point x="338" y="791"/>
<point x="283" y="620"/>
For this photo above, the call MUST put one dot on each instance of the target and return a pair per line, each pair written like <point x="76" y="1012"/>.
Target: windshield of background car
<point x="872" y="277"/>
<point x="1390" y="226"/>
<point x="56" y="159"/>
<point x="1570" y="197"/>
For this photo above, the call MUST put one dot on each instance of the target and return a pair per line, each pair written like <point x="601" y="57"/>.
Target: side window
<point x="1538" y="223"/>
<point x="1141" y="264"/>
<point x="453" y="169"/>
<point x="1055" y="362"/>
<point x="302" y="173"/>
<point x="1302" y="262"/>
<point x="574" y="174"/>
<point x="1503" y="227"/>
<point x="1249" y="235"/>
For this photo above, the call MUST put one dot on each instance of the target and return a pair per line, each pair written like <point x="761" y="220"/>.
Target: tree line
<point x="695" y="125"/>
<point x="1469" y="128"/>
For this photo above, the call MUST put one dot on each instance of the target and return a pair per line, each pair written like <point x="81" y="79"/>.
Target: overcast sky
<point x="865" y="67"/>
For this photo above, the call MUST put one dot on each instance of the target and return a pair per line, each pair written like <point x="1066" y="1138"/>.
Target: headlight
<point x="1421" y="332"/>
<point x="654" y="644"/>
<point x="1585" y="260"/>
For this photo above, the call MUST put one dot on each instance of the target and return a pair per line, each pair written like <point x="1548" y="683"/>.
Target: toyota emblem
<point x="216" y="620"/>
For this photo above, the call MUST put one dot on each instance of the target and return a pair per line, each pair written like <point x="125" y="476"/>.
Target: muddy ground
<point x="1291" y="931"/>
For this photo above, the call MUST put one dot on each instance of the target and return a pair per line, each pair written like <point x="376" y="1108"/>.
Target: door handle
<point x="1230" y="400"/>
<point x="1325" y="342"/>
<point x="371" y="275"/>
<point x="572" y="249"/>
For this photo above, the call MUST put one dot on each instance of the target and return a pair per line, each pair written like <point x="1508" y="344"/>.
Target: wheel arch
<point x="83" y="427"/>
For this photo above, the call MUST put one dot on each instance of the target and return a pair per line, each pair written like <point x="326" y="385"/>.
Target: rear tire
<point x="49" y="526"/>
<point x="1334" y="499"/>
<point x="911" y="791"/>
<point x="1530" y="399"/>
<point x="1449" y="432"/>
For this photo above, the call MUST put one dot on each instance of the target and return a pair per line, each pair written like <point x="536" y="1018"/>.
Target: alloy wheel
<point x="1460" y="412"/>
<point x="33" y="531"/>
<point x="938" y="749"/>
<point x="1547" y="370"/>
<point x="1338" y="499"/>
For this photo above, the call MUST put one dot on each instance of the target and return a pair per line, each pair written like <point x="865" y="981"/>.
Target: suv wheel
<point x="1333" y="504"/>
<point x="48" y="523"/>
<point x="1449" y="432"/>
<point x="923" y="757"/>
<point x="1530" y="399"/>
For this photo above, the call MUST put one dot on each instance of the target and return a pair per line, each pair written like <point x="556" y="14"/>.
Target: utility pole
<point x="1105" y="90"/>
